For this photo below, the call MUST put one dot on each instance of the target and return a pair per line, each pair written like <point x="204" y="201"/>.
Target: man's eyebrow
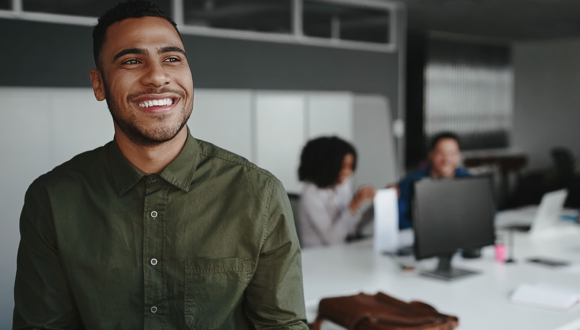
<point x="139" y="51"/>
<point x="169" y="49"/>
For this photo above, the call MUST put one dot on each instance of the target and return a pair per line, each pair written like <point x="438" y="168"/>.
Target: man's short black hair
<point x="321" y="160"/>
<point x="444" y="135"/>
<point x="122" y="11"/>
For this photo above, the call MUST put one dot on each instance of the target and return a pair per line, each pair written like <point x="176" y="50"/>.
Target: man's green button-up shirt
<point x="207" y="243"/>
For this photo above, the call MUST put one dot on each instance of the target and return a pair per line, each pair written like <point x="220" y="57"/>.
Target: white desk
<point x="480" y="301"/>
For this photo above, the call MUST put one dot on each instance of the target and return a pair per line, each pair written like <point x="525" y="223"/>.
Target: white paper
<point x="545" y="295"/>
<point x="571" y="269"/>
<point x="386" y="233"/>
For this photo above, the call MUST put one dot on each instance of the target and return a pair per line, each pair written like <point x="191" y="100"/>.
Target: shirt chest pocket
<point x="213" y="289"/>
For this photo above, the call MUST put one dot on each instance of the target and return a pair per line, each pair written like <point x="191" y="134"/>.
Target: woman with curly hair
<point x="328" y="212"/>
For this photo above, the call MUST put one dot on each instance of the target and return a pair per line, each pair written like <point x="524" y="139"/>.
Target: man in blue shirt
<point x="444" y="158"/>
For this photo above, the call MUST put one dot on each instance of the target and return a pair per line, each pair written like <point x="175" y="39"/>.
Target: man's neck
<point x="436" y="175"/>
<point x="154" y="158"/>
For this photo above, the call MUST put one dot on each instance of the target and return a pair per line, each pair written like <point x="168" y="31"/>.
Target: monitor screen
<point x="452" y="214"/>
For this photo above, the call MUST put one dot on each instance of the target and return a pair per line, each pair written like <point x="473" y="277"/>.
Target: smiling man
<point x="444" y="160"/>
<point x="155" y="230"/>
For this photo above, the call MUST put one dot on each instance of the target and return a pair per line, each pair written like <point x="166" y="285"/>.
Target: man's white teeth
<point x="150" y="103"/>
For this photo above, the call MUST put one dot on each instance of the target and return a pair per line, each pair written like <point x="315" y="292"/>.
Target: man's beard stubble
<point x="140" y="135"/>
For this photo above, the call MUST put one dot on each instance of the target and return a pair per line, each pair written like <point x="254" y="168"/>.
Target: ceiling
<point x="510" y="20"/>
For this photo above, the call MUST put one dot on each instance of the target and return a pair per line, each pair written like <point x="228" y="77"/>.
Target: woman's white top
<point x="324" y="215"/>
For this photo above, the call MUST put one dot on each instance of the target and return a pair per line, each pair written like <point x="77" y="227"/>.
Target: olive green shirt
<point x="207" y="243"/>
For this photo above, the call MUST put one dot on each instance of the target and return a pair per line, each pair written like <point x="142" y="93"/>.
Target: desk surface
<point x="480" y="301"/>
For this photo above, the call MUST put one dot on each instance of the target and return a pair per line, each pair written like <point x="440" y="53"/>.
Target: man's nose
<point x="156" y="76"/>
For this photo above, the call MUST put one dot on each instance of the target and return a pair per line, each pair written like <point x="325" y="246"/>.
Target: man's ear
<point x="98" y="86"/>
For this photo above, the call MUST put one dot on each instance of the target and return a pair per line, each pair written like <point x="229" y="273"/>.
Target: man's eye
<point x="131" y="61"/>
<point x="172" y="59"/>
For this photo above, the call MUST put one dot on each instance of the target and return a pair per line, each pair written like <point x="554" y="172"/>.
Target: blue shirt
<point x="406" y="194"/>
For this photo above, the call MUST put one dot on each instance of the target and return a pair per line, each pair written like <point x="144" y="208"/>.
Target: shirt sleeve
<point x="41" y="295"/>
<point x="275" y="294"/>
<point x="330" y="224"/>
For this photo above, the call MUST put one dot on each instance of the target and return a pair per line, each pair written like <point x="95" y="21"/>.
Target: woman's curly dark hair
<point x="321" y="160"/>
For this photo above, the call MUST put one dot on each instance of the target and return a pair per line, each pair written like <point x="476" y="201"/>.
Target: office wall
<point x="547" y="99"/>
<point x="54" y="55"/>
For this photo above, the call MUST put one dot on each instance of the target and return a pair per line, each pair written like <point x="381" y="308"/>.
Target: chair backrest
<point x="294" y="202"/>
<point x="564" y="163"/>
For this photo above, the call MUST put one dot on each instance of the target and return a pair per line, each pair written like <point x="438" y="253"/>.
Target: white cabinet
<point x="374" y="140"/>
<point x="280" y="134"/>
<point x="330" y="114"/>
<point x="224" y="118"/>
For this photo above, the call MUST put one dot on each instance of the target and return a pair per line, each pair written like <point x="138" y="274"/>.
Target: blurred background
<point x="272" y="74"/>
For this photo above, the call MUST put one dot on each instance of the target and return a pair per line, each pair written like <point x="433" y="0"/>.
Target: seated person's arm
<point x="331" y="225"/>
<point x="364" y="193"/>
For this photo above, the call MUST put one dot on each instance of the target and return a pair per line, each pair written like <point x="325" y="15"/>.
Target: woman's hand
<point x="364" y="193"/>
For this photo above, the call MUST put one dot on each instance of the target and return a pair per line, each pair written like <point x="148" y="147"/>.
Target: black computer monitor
<point x="452" y="214"/>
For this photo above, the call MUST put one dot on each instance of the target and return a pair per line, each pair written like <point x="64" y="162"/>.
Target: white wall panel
<point x="374" y="140"/>
<point x="24" y="132"/>
<point x="280" y="135"/>
<point x="78" y="123"/>
<point x="224" y="118"/>
<point x="330" y="114"/>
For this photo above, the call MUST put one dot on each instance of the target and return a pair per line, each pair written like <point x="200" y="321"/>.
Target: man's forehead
<point x="139" y="32"/>
<point x="447" y="143"/>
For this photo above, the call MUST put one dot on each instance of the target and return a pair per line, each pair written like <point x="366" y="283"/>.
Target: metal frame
<point x="402" y="104"/>
<point x="297" y="36"/>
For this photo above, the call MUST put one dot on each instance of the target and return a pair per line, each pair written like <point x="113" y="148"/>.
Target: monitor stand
<point x="445" y="272"/>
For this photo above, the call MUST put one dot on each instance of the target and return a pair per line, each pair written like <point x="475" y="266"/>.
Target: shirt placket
<point x="153" y="263"/>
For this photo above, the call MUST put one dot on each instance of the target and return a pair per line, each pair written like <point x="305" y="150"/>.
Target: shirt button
<point x="154" y="214"/>
<point x="153" y="178"/>
<point x="154" y="261"/>
<point x="153" y="309"/>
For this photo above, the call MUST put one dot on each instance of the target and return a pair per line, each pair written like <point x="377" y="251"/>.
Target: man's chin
<point x="448" y="174"/>
<point x="148" y="136"/>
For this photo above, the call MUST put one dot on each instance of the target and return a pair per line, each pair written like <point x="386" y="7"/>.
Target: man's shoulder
<point x="222" y="159"/>
<point x="461" y="172"/>
<point x="85" y="164"/>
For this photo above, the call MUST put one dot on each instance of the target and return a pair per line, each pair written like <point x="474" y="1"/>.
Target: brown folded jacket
<point x="381" y="312"/>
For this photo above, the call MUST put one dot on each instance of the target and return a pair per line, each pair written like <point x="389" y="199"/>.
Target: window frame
<point x="296" y="37"/>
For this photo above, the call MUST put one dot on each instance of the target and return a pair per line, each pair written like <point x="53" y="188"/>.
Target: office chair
<point x="565" y="164"/>
<point x="294" y="202"/>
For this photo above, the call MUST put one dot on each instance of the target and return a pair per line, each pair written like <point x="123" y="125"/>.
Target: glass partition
<point x="345" y="22"/>
<point x="352" y="24"/>
<point x="272" y="16"/>
<point x="89" y="8"/>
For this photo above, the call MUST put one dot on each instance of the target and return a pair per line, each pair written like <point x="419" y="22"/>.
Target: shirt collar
<point x="178" y="173"/>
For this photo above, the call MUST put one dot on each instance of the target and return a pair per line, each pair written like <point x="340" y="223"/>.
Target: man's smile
<point x="156" y="103"/>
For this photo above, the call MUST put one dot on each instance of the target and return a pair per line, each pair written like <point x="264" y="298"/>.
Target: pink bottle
<point x="500" y="252"/>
